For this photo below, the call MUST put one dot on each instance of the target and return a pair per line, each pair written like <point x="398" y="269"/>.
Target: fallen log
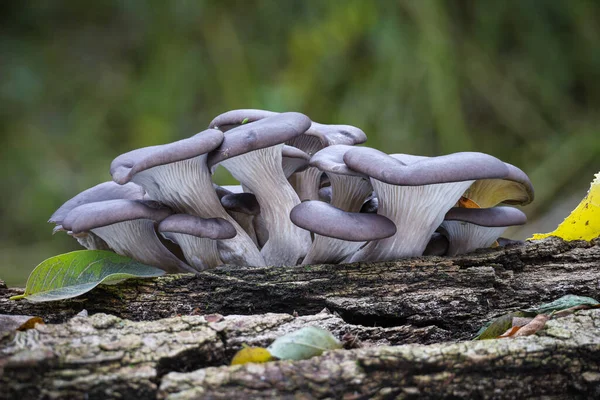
<point x="186" y="357"/>
<point x="456" y="295"/>
<point x="165" y="337"/>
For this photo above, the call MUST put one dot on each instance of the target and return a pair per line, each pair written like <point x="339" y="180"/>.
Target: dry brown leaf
<point x="18" y="322"/>
<point x="510" y="332"/>
<point x="571" y="310"/>
<point x="535" y="325"/>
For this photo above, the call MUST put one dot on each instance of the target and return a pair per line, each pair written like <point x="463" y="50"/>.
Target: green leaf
<point x="567" y="301"/>
<point x="303" y="344"/>
<point x="72" y="274"/>
<point x="245" y="121"/>
<point x="500" y="325"/>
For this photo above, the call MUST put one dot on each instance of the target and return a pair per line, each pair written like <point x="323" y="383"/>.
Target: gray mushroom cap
<point x="96" y="215"/>
<point x="264" y="133"/>
<point x="234" y="118"/>
<point x="101" y="192"/>
<point x="327" y="134"/>
<point x="293" y="160"/>
<point x="468" y="229"/>
<point x="210" y="228"/>
<point x="371" y="205"/>
<point x="227" y="189"/>
<point x="330" y="135"/>
<point x="331" y="159"/>
<point x="456" y="167"/>
<point x="515" y="174"/>
<point x="294" y="153"/>
<point x="244" y="203"/>
<point x="489" y="217"/>
<point x="125" y="166"/>
<point x="128" y="226"/>
<point x="324" y="219"/>
<point x="325" y="194"/>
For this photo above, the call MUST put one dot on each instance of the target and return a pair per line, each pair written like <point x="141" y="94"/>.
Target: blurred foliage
<point x="82" y="82"/>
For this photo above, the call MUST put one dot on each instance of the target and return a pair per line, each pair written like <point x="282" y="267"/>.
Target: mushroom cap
<point x="515" y="188"/>
<point x="211" y="228"/>
<point x="293" y="160"/>
<point x="125" y="166"/>
<point x="490" y="217"/>
<point x="331" y="159"/>
<point x="233" y="118"/>
<point x="221" y="191"/>
<point x="324" y="219"/>
<point x="227" y="189"/>
<point x="244" y="203"/>
<point x="330" y="135"/>
<point x="515" y="174"/>
<point x="456" y="167"/>
<point x="295" y="153"/>
<point x="327" y="134"/>
<point x="370" y="205"/>
<point x="264" y="133"/>
<point x="104" y="213"/>
<point x="101" y="192"/>
<point x="325" y="194"/>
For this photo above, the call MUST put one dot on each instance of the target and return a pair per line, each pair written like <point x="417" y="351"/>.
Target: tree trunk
<point x="156" y="329"/>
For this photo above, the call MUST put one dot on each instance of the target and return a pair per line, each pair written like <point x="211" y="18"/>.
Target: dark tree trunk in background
<point x="151" y="334"/>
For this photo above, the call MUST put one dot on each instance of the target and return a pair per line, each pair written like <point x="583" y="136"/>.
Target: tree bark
<point x="455" y="294"/>
<point x="156" y="329"/>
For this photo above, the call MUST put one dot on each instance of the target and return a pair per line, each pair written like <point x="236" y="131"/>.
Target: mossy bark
<point x="151" y="333"/>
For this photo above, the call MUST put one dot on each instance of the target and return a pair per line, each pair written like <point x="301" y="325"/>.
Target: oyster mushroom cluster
<point x="307" y="195"/>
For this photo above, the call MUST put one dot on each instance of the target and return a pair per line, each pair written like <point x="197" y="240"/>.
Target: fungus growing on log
<point x="416" y="192"/>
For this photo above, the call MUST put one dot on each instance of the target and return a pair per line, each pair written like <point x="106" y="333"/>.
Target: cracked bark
<point x="106" y="357"/>
<point x="419" y="301"/>
<point x="455" y="294"/>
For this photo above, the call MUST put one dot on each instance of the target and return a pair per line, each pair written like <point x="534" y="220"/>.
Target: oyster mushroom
<point x="176" y="174"/>
<point x="317" y="137"/>
<point x="468" y="229"/>
<point x="252" y="154"/>
<point x="189" y="232"/>
<point x="101" y="192"/>
<point x="415" y="193"/>
<point x="244" y="208"/>
<point x="327" y="220"/>
<point x="314" y="139"/>
<point x="349" y="190"/>
<point x="128" y="226"/>
<point x="293" y="160"/>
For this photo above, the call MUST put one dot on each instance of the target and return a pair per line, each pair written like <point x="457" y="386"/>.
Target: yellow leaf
<point x="251" y="355"/>
<point x="584" y="222"/>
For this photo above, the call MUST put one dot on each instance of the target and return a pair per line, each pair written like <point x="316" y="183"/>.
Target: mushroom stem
<point x="287" y="243"/>
<point x="200" y="253"/>
<point x="198" y="197"/>
<point x="417" y="211"/>
<point x="467" y="237"/>
<point x="306" y="183"/>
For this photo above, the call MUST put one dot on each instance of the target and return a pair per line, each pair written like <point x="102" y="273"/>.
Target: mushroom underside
<point x="417" y="212"/>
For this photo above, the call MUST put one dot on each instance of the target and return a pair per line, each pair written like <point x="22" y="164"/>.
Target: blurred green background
<point x="82" y="82"/>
